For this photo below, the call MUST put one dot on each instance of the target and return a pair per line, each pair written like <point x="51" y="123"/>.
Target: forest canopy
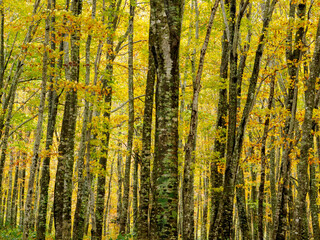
<point x="153" y="120"/>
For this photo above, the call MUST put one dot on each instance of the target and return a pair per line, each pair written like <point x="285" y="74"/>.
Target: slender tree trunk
<point x="204" y="223"/>
<point x="135" y="192"/>
<point x="188" y="182"/>
<point x="219" y="148"/>
<point x="293" y="55"/>
<point x="83" y="174"/>
<point x="106" y="227"/>
<point x="126" y="186"/>
<point x="34" y="217"/>
<point x="272" y="176"/>
<point x="313" y="191"/>
<point x="241" y="206"/>
<point x="145" y="183"/>
<point x="2" y="57"/>
<point x="22" y="173"/>
<point x="119" y="191"/>
<point x="28" y="223"/>
<point x="107" y="93"/>
<point x="5" y="145"/>
<point x="53" y="107"/>
<point x="14" y="204"/>
<point x="263" y="163"/>
<point x="9" y="194"/>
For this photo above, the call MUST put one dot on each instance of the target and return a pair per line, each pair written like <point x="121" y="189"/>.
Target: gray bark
<point x="126" y="186"/>
<point x="27" y="226"/>
<point x="63" y="187"/>
<point x="143" y="225"/>
<point x="83" y="173"/>
<point x="263" y="163"/>
<point x="52" y="109"/>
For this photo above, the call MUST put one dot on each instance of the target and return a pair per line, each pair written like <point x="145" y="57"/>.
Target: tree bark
<point x="263" y="162"/>
<point x="126" y="187"/>
<point x="167" y="42"/>
<point x="83" y="173"/>
<point x="107" y="93"/>
<point x="145" y="183"/>
<point x="63" y="188"/>
<point x="52" y="109"/>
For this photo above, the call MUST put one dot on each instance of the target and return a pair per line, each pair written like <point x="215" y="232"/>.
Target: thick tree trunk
<point x="63" y="188"/>
<point x="167" y="43"/>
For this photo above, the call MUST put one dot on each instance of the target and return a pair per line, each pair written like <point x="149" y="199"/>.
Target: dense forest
<point x="160" y="119"/>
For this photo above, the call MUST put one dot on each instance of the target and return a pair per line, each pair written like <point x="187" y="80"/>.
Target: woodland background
<point x="170" y="119"/>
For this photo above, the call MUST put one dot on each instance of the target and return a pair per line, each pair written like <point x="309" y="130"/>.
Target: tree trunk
<point x="63" y="188"/>
<point x="135" y="192"/>
<point x="263" y="163"/>
<point x="145" y="183"/>
<point x="83" y="173"/>
<point x="126" y="185"/>
<point x="204" y="223"/>
<point x="22" y="173"/>
<point x="241" y="206"/>
<point x="293" y="56"/>
<point x="188" y="182"/>
<point x="119" y="191"/>
<point x="14" y="204"/>
<point x="9" y="192"/>
<point x="28" y="223"/>
<point x="313" y="191"/>
<point x="219" y="148"/>
<point x="53" y="108"/>
<point x="167" y="42"/>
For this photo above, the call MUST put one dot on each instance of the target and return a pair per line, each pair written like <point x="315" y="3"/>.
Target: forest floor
<point x="10" y="233"/>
